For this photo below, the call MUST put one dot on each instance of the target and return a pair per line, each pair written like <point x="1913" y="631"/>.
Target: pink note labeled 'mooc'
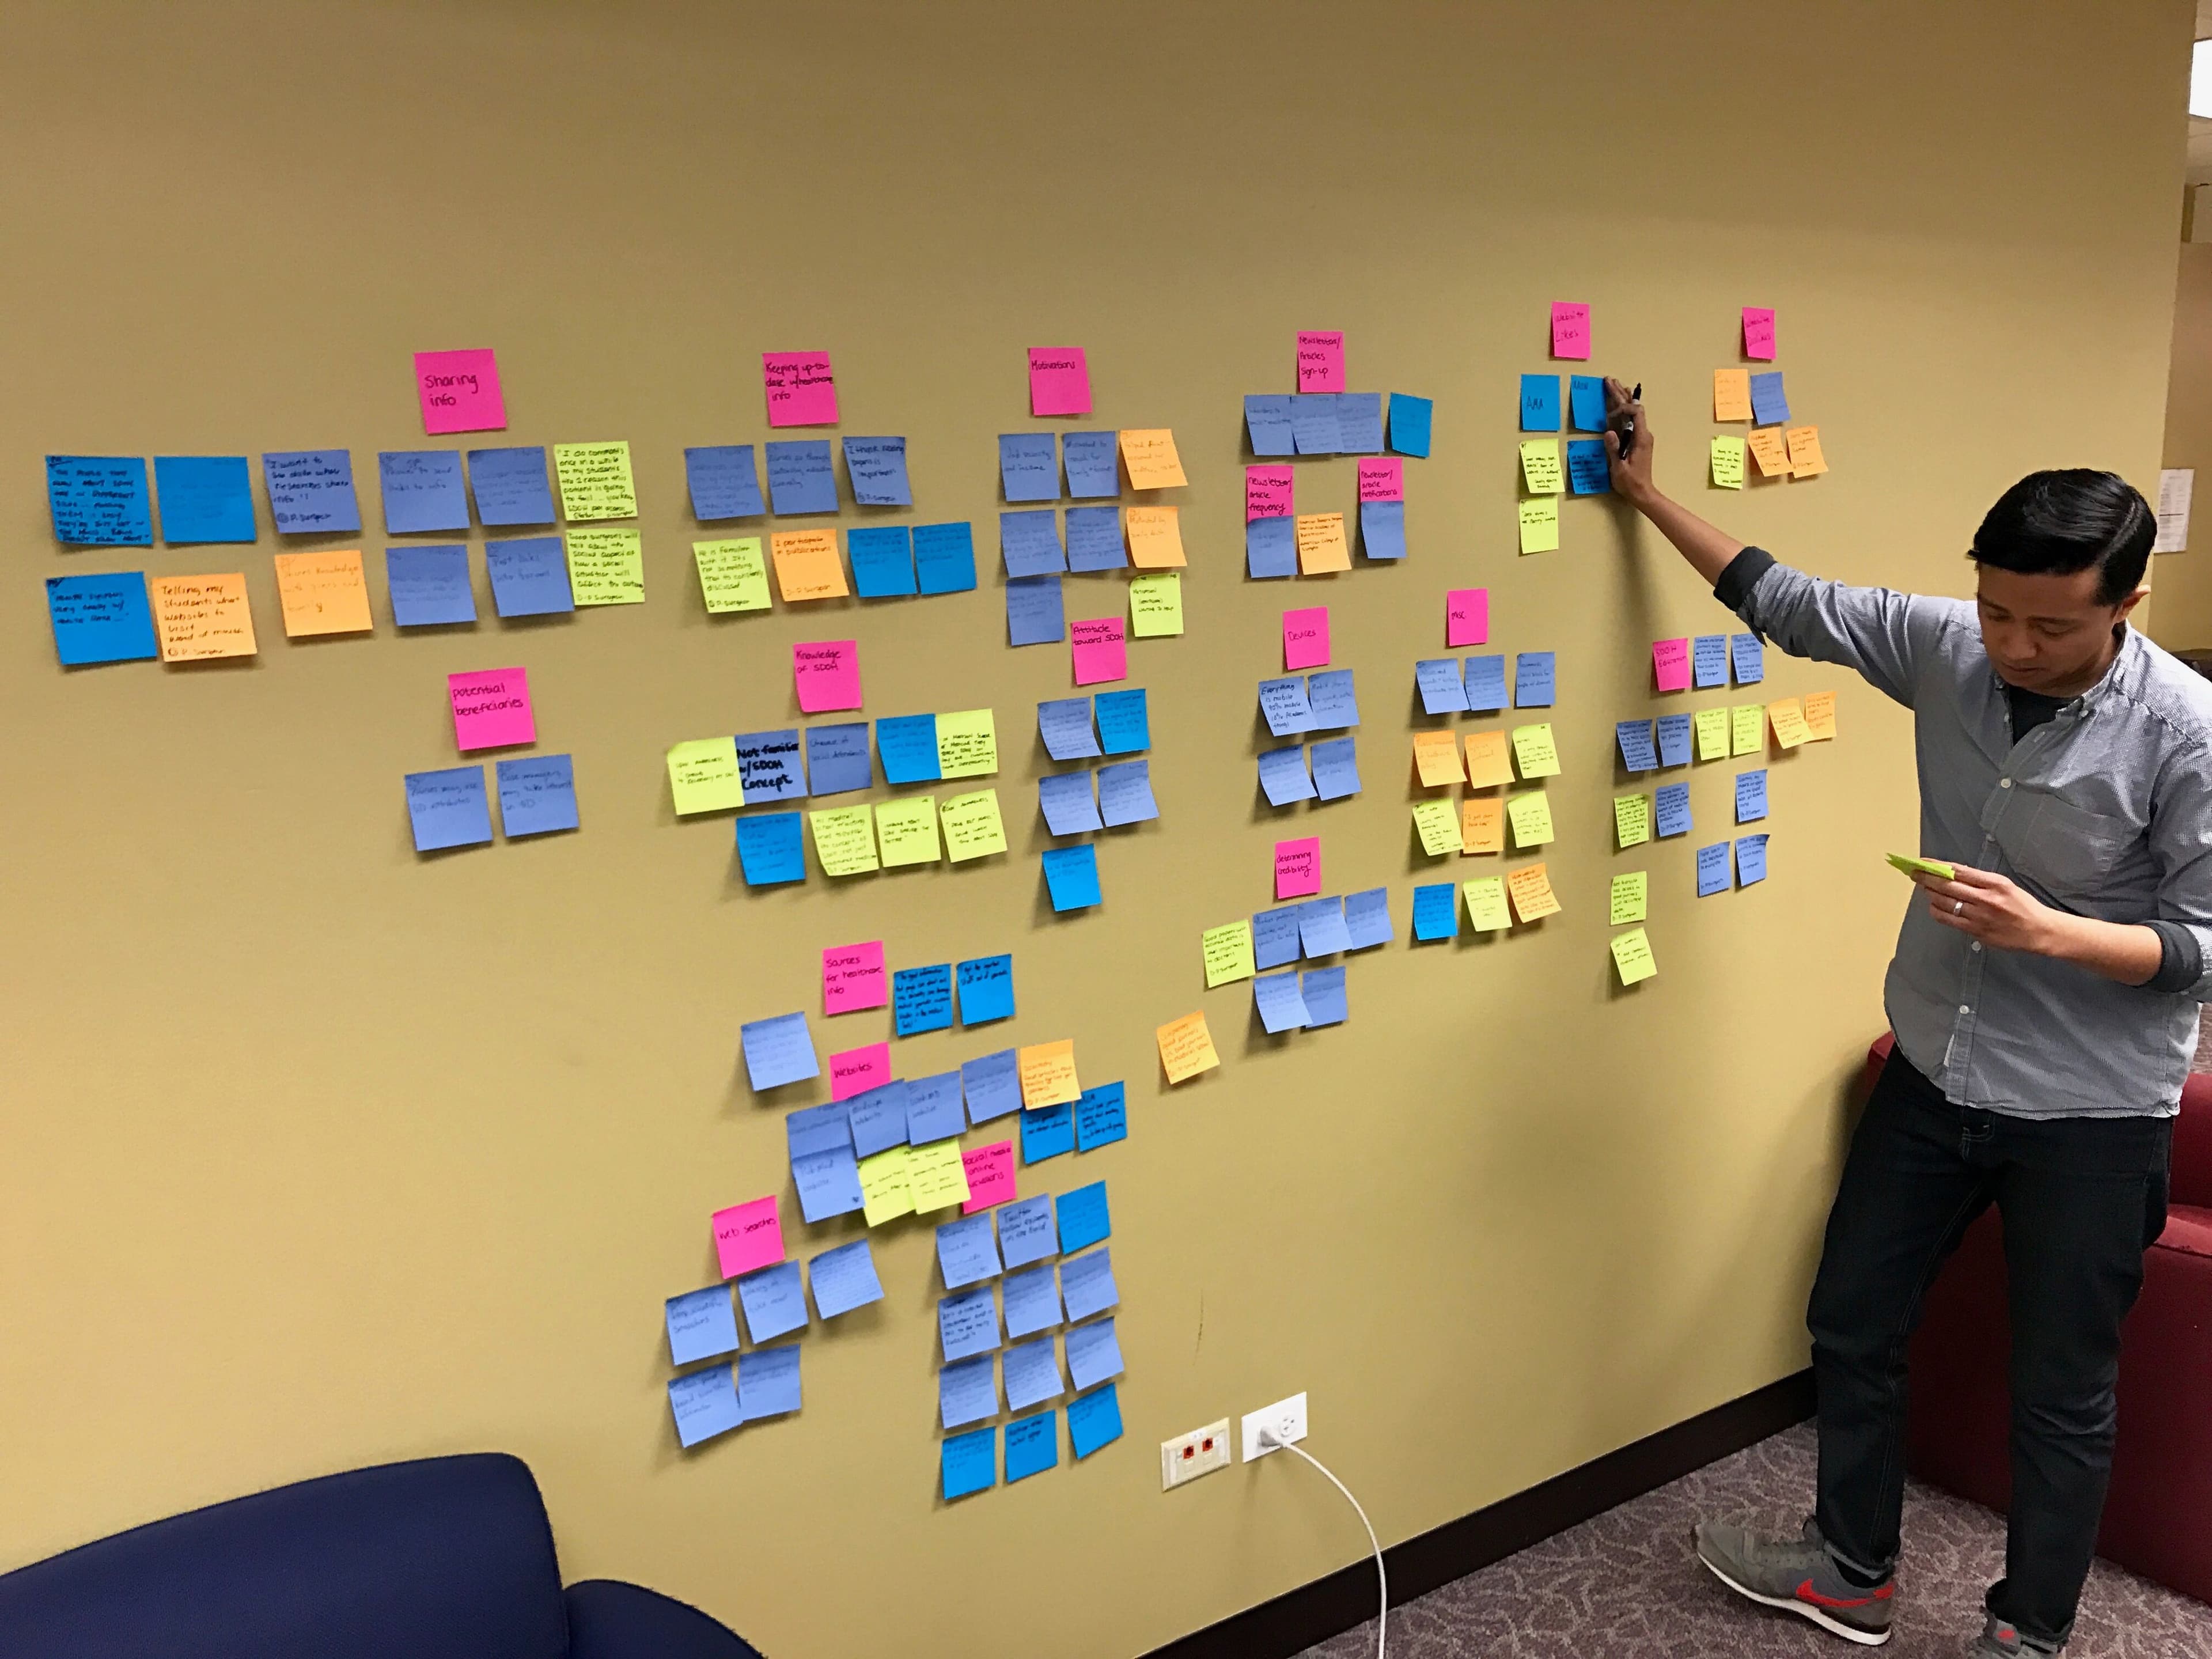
<point x="1570" y="329"/>
<point x="828" y="675"/>
<point x="1267" y="493"/>
<point x="1321" y="360"/>
<point x="491" y="710"/>
<point x="1381" y="478"/>
<point x="858" y="1070"/>
<point x="1670" y="664"/>
<point x="1100" y="648"/>
<point x="1467" y="616"/>
<point x="853" y="978"/>
<point x="801" y="391"/>
<point x="460" y="391"/>
<point x="990" y="1172"/>
<point x="1059" y="380"/>
<point x="1758" y="333"/>
<point x="1305" y="638"/>
<point x="748" y="1237"/>
<point x="1298" y="867"/>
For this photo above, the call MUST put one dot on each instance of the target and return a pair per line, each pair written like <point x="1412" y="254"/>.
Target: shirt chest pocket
<point x="2067" y="850"/>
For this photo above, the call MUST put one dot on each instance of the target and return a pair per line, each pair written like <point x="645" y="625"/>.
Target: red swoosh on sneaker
<point x="1807" y="1593"/>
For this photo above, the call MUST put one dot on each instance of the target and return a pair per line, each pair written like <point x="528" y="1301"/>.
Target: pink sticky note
<point x="858" y="1070"/>
<point x="1267" y="493"/>
<point x="1101" y="650"/>
<point x="1059" y="380"/>
<point x="1670" y="664"/>
<point x="1570" y="329"/>
<point x="990" y="1172"/>
<point x="1321" y="361"/>
<point x="1467" y="616"/>
<point x="460" y="391"/>
<point x="1758" y="333"/>
<point x="748" y="1235"/>
<point x="828" y="675"/>
<point x="491" y="709"/>
<point x="1298" y="867"/>
<point x="801" y="390"/>
<point x="1305" y="638"/>
<point x="853" y="978"/>
<point x="1381" y="478"/>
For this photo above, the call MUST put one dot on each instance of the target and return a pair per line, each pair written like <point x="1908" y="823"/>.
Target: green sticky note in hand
<point x="1912" y="867"/>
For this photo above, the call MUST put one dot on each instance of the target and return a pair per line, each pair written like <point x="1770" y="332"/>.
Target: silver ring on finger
<point x="1959" y="907"/>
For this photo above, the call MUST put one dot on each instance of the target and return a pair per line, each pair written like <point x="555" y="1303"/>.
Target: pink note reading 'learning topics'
<point x="1305" y="638"/>
<point x="1570" y="333"/>
<point x="491" y="710"/>
<point x="748" y="1237"/>
<point x="1321" y="360"/>
<point x="1100" y="648"/>
<point x="990" y="1172"/>
<point x="1267" y="493"/>
<point x="460" y="391"/>
<point x="859" y="1070"/>
<point x="1381" y="478"/>
<point x="1059" y="380"/>
<point x="1298" y="867"/>
<point x="801" y="390"/>
<point x="1467" y="616"/>
<point x="828" y="675"/>
<point x="1670" y="664"/>
<point x="1758" y="333"/>
<point x="853" y="978"/>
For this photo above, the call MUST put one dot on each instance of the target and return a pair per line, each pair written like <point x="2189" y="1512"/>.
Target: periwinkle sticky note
<point x="448" y="808"/>
<point x="1670" y="805"/>
<point x="511" y="486"/>
<point x="1335" y="768"/>
<point x="724" y="480"/>
<point x="767" y="1382"/>
<point x="1094" y="539"/>
<point x="1708" y="660"/>
<point x="1638" y="753"/>
<point x="422" y="490"/>
<point x="1271" y="548"/>
<point x="779" y="1050"/>
<point x="1091" y="462"/>
<point x="1029" y="466"/>
<point x="1025" y="1230"/>
<point x="704" y="1404"/>
<point x="1442" y="685"/>
<point x="529" y="576"/>
<point x="838" y="759"/>
<point x="1749" y="656"/>
<point x="1673" y="739"/>
<point x="311" y="491"/>
<point x="701" y="1325"/>
<point x="1534" y="680"/>
<point x="1275" y="937"/>
<point x="1268" y="423"/>
<point x="1359" y="422"/>
<point x="1125" y="793"/>
<point x="774" y="1301"/>
<point x="1035" y="612"/>
<point x="966" y="1254"/>
<point x="1751" y="796"/>
<point x="799" y="477"/>
<point x="1750" y="859"/>
<point x="992" y="1083"/>
<point x="876" y="468"/>
<point x="536" y="794"/>
<point x="1712" y="869"/>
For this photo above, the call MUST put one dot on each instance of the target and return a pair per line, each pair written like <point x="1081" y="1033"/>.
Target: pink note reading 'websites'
<point x="828" y="675"/>
<point x="1101" y="650"/>
<point x="1059" y="380"/>
<point x="1305" y="638"/>
<point x="1570" y="329"/>
<point x="1298" y="867"/>
<point x="990" y="1172"/>
<point x="491" y="710"/>
<point x="1670" y="664"/>
<point x="1758" y="333"/>
<point x="801" y="390"/>
<point x="748" y="1237"/>
<point x="1381" y="478"/>
<point x="1467" y="616"/>
<point x="1321" y="360"/>
<point x="859" y="1070"/>
<point x="460" y="391"/>
<point x="1267" y="493"/>
<point x="853" y="978"/>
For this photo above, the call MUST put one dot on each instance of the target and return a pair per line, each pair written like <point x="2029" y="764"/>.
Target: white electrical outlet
<point x="1189" y="1456"/>
<point x="1286" y="1417"/>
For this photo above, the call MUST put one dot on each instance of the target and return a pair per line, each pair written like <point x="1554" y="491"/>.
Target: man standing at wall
<point x="2044" y="1005"/>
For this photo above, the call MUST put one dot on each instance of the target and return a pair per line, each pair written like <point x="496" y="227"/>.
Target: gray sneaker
<point x="1999" y="1640"/>
<point x="1798" y="1574"/>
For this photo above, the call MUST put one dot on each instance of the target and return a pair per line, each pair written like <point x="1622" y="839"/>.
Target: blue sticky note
<point x="1540" y="403"/>
<point x="1275" y="937"/>
<point x="1586" y="403"/>
<point x="100" y="618"/>
<point x="772" y="765"/>
<point x="422" y="490"/>
<point x="1674" y="740"/>
<point x="1443" y="686"/>
<point x="430" y="585"/>
<point x="1533" y="680"/>
<point x="906" y="745"/>
<point x="311" y="491"/>
<point x="1313" y="426"/>
<point x="778" y="1051"/>
<point x="838" y="759"/>
<point x="774" y="1301"/>
<point x="1285" y="704"/>
<point x="1025" y="1230"/>
<point x="1750" y="796"/>
<point x="987" y="989"/>
<point x="1048" y="1132"/>
<point x="1708" y="659"/>
<point x="1032" y="1299"/>
<point x="725" y="482"/>
<point x="1101" y="1117"/>
<point x="1436" y="911"/>
<point x="1283" y="776"/>
<point x="448" y="808"/>
<point x="1032" y="1446"/>
<point x="99" y="501"/>
<point x="700" y="1324"/>
<point x="800" y="478"/>
<point x="1335" y="768"/>
<point x="1485" y="684"/>
<point x="1068" y="806"/>
<point x="991" y="1083"/>
<point x="1071" y="876"/>
<point x="1321" y="930"/>
<point x="1409" y="423"/>
<point x="1029" y="466"/>
<point x="1125" y="793"/>
<point x="767" y="1382"/>
<point x="1281" y="1006"/>
<point x="1329" y="694"/>
<point x="1030" y="543"/>
<point x="876" y="468"/>
<point x="209" y="498"/>
<point x="1712" y="869"/>
<point x="1093" y="1421"/>
<point x="944" y="557"/>
<point x="1588" y="472"/>
<point x="537" y="795"/>
<point x="967" y="1392"/>
<point x="1359" y="422"/>
<point x="1749" y="655"/>
<point x="813" y="1129"/>
<point x="1082" y="1218"/>
<point x="879" y="1117"/>
<point x="1094" y="539"/>
<point x="1123" y="726"/>
<point x="529" y="576"/>
<point x="883" y="561"/>
<point x="511" y="486"/>
<point x="771" y="848"/>
<point x="934" y="1111"/>
<point x="968" y="1323"/>
<point x="1637" y="753"/>
<point x="1268" y="423"/>
<point x="1671" y="809"/>
<point x="965" y="1253"/>
<point x="1382" y="529"/>
<point x="1768" y="406"/>
<point x="1064" y="724"/>
<point x="1750" y="859"/>
<point x="1086" y="1283"/>
<point x="1033" y="1375"/>
<point x="1034" y="612"/>
<point x="829" y="1183"/>
<point x="1091" y="458"/>
<point x="844" y="1278"/>
<point x="1093" y="1354"/>
<point x="921" y="1000"/>
<point x="704" y="1403"/>
<point x="968" y="1463"/>
<point x="1271" y="548"/>
<point x="1367" y="919"/>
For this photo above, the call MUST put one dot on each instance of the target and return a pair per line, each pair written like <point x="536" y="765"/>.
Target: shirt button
<point x="2004" y="783"/>
<point x="1976" y="945"/>
<point x="1964" y="1009"/>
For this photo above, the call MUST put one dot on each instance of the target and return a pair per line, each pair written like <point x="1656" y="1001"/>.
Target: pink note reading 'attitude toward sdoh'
<point x="859" y="1070"/>
<point x="1381" y="478"/>
<point x="828" y="675"/>
<point x="1570" y="333"/>
<point x="1059" y="380"/>
<point x="747" y="1236"/>
<point x="491" y="710"/>
<point x="1467" y="616"/>
<point x="1758" y="333"/>
<point x="1305" y="638"/>
<point x="1321" y="360"/>
<point x="1267" y="493"/>
<point x="990" y="1172"/>
<point x="800" y="389"/>
<point x="1298" y="867"/>
<point x="1100" y="648"/>
<point x="460" y="391"/>
<point x="1670" y="664"/>
<point x="853" y="978"/>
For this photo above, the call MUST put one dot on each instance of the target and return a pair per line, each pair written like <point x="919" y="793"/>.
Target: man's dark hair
<point x="2055" y="523"/>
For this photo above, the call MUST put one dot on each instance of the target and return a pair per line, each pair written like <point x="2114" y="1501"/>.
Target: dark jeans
<point x="2082" y="1198"/>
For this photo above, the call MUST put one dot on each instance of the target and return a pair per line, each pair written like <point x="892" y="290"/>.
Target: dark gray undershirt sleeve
<point x="1742" y="576"/>
<point x="2180" y="960"/>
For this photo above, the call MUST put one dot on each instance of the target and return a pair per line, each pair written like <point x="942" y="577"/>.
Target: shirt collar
<point x="2124" y="661"/>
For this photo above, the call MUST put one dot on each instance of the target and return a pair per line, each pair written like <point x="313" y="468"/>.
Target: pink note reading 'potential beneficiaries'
<point x="801" y="390"/>
<point x="853" y="978"/>
<point x="1758" y="333"/>
<point x="1267" y="493"/>
<point x="1570" y="329"/>
<point x="747" y="1236"/>
<point x="859" y="1070"/>
<point x="828" y="675"/>
<point x="1321" y="360"/>
<point x="1305" y="638"/>
<point x="1670" y="664"/>
<point x="460" y="392"/>
<point x="1101" y="650"/>
<point x="990" y="1172"/>
<point x="1059" y="380"/>
<point x="1467" y="616"/>
<point x="491" y="710"/>
<point x="1382" y="478"/>
<point x="1298" y="867"/>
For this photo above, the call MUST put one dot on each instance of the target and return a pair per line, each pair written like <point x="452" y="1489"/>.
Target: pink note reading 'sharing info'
<point x="1059" y="380"/>
<point x="460" y="391"/>
<point x="1100" y="649"/>
<point x="491" y="709"/>
<point x="1298" y="867"/>
<point x="1321" y="360"/>
<point x="1670" y="664"/>
<point x="1305" y="638"/>
<point x="747" y="1236"/>
<point x="801" y="391"/>
<point x="827" y="673"/>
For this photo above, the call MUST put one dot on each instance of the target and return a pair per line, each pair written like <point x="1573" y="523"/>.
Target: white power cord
<point x="1382" y="1573"/>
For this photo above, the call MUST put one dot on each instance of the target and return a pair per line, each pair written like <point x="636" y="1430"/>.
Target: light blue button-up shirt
<point x="2105" y="810"/>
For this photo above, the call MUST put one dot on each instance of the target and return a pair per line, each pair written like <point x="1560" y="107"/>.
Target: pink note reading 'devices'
<point x="990" y="1172"/>
<point x="1305" y="638"/>
<point x="1321" y="360"/>
<point x="1267" y="493"/>
<point x="1758" y="333"/>
<point x="828" y="675"/>
<point x="853" y="978"/>
<point x="1570" y="329"/>
<point x="1670" y="664"/>
<point x="858" y="1070"/>
<point x="1467" y="616"/>
<point x="748" y="1237"/>
<point x="801" y="390"/>
<point x="460" y="392"/>
<point x="491" y="710"/>
<point x="1381" y="478"/>
<point x="1100" y="647"/>
<point x="1298" y="867"/>
<point x="1059" y="380"/>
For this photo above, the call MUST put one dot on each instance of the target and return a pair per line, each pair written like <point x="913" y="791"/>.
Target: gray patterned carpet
<point x="1626" y="1584"/>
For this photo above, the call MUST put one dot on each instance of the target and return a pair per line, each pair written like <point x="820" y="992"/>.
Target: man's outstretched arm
<point x="1708" y="549"/>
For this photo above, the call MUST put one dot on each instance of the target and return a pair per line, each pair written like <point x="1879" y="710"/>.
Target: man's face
<point x="2048" y="633"/>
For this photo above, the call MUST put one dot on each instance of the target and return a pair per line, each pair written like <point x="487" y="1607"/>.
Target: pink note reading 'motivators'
<point x="1267" y="493"/>
<point x="1100" y="648"/>
<point x="1298" y="867"/>
<point x="1758" y="333"/>
<point x="1467" y="616"/>
<point x="460" y="391"/>
<point x="1059" y="380"/>
<point x="748" y="1237"/>
<point x="1305" y="638"/>
<point x="853" y="978"/>
<point x="990" y="1172"/>
<point x="1321" y="360"/>
<point x="858" y="1070"/>
<point x="1670" y="664"/>
<point x="491" y="710"/>
<point x="828" y="675"/>
<point x="1381" y="478"/>
<point x="1570" y="329"/>
<point x="801" y="391"/>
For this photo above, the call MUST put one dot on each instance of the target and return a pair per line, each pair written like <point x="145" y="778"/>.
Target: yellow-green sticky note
<point x="1534" y="748"/>
<point x="1539" y="524"/>
<point x="1532" y="818"/>
<point x="967" y="744"/>
<point x="1631" y="955"/>
<point x="935" y="1176"/>
<point x="1437" y="821"/>
<point x="1228" y="953"/>
<point x="702" y="776"/>
<point x="1632" y="819"/>
<point x="972" y="826"/>
<point x="1486" y="903"/>
<point x="595" y="482"/>
<point x="1712" y="734"/>
<point x="606" y="567"/>
<point x="1630" y="889"/>
<point x="1909" y="865"/>
<point x="886" y="1189"/>
<point x="732" y="575"/>
<point x="1727" y="462"/>
<point x="906" y="832"/>
<point x="845" y="840"/>
<point x="1156" y="606"/>
<point x="1748" y="724"/>
<point x="1539" y="466"/>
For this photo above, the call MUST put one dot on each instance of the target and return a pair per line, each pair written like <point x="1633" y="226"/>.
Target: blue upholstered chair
<point x="449" y="1558"/>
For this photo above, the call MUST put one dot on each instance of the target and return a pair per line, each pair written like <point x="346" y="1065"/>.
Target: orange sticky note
<point x="1532" y="893"/>
<point x="1047" y="1071"/>
<point x="1731" y="394"/>
<point x="197" y="617"/>
<point x="1787" y="717"/>
<point x="807" y="566"/>
<point x="1820" y="716"/>
<point x="1487" y="761"/>
<point x="1482" y="824"/>
<point x="323" y="592"/>
<point x="1767" y="449"/>
<point x="1155" y="537"/>
<point x="1187" y="1048"/>
<point x="1436" y="755"/>
<point x="1149" y="452"/>
<point x="1321" y="545"/>
<point x="1805" y="460"/>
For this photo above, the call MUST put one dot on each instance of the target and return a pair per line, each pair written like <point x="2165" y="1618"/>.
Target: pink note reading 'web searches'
<point x="460" y="391"/>
<point x="1758" y="333"/>
<point x="1298" y="867"/>
<point x="1467" y="616"/>
<point x="1305" y="638"/>
<point x="828" y="675"/>
<point x="1570" y="333"/>
<point x="1670" y="664"/>
<point x="800" y="389"/>
<point x="491" y="710"/>
<point x="1267" y="493"/>
<point x="1321" y="360"/>
<point x="859" y="1070"/>
<point x="1059" y="380"/>
<point x="748" y="1237"/>
<point x="1100" y="649"/>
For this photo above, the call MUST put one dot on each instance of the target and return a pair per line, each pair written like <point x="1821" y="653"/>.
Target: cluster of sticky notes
<point x="1083" y="728"/>
<point x="451" y="808"/>
<point x="1715" y="874"/>
<point x="1108" y="797"/>
<point x="1031" y="468"/>
<point x="1548" y="468"/>
<point x="1294" y="706"/>
<point x="759" y="1384"/>
<point x="1493" y="903"/>
<point x="1331" y="423"/>
<point x="1780" y="449"/>
<point x="1448" y="686"/>
<point x="1325" y="701"/>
